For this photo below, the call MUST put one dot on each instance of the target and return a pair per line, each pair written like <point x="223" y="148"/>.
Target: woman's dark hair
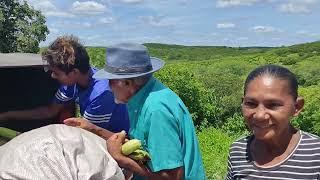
<point x="67" y="53"/>
<point x="277" y="72"/>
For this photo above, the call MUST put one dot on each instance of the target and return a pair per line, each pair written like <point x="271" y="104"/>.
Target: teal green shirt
<point x="159" y="118"/>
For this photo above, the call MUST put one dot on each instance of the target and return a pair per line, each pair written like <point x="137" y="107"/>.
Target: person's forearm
<point x="164" y="175"/>
<point x="168" y="174"/>
<point x="133" y="166"/>
<point x="103" y="133"/>
<point x="172" y="174"/>
<point x="32" y="114"/>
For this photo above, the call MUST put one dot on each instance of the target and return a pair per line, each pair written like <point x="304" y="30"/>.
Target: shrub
<point x="214" y="145"/>
<point x="308" y="120"/>
<point x="308" y="72"/>
<point x="97" y="56"/>
<point x="200" y="101"/>
<point x="235" y="126"/>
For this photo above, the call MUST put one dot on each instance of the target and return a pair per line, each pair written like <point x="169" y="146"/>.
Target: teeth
<point x="262" y="126"/>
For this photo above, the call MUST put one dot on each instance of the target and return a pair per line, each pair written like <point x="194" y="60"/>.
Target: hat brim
<point x="156" y="63"/>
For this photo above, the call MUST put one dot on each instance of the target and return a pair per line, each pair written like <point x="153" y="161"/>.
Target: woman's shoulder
<point x="307" y="153"/>
<point x="238" y="152"/>
<point x="310" y="139"/>
<point x="243" y="139"/>
<point x="309" y="144"/>
<point x="241" y="143"/>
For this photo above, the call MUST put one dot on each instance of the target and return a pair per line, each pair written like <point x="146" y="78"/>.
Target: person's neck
<point x="134" y="90"/>
<point x="84" y="79"/>
<point x="278" y="145"/>
<point x="270" y="152"/>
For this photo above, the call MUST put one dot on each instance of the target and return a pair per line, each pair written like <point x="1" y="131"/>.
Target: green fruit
<point x="130" y="146"/>
<point x="140" y="155"/>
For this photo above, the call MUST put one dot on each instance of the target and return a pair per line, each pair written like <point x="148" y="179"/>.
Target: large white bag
<point x="57" y="152"/>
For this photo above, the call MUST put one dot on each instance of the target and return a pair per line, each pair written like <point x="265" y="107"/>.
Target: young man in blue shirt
<point x="69" y="64"/>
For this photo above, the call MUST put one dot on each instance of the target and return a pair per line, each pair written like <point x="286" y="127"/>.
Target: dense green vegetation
<point x="22" y="27"/>
<point x="209" y="79"/>
<point x="214" y="145"/>
<point x="210" y="82"/>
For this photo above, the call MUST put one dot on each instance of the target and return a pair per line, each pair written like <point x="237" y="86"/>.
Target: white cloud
<point x="315" y="35"/>
<point x="226" y="39"/>
<point x="72" y="24"/>
<point x="88" y="8"/>
<point x="58" y="14"/>
<point x="105" y="20"/>
<point x="307" y="33"/>
<point x="155" y="21"/>
<point x="304" y="1"/>
<point x="242" y="38"/>
<point x="53" y="30"/>
<point x="129" y="2"/>
<point x="132" y="1"/>
<point x="93" y="37"/>
<point x="294" y="8"/>
<point x="183" y="2"/>
<point x="44" y="6"/>
<point x="225" y="25"/>
<point x="48" y="8"/>
<point x="302" y="32"/>
<point x="263" y="29"/>
<point x="298" y="6"/>
<point x="232" y="3"/>
<point x="83" y="24"/>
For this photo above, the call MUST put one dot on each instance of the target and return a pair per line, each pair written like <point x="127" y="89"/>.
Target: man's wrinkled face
<point x="121" y="90"/>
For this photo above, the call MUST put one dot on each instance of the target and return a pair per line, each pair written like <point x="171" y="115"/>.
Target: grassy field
<point x="2" y="141"/>
<point x="214" y="145"/>
<point x="6" y="135"/>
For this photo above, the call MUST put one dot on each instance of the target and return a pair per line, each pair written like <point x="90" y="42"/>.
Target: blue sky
<point x="186" y="22"/>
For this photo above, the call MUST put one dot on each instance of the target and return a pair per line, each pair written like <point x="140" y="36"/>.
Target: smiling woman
<point x="275" y="150"/>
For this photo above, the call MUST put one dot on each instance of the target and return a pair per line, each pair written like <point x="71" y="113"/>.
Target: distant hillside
<point x="195" y="53"/>
<point x="200" y="53"/>
<point x="306" y="49"/>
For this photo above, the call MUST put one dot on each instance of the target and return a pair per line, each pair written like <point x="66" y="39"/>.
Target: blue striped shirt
<point x="96" y="104"/>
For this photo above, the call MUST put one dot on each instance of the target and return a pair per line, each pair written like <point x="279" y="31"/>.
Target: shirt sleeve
<point x="164" y="143"/>
<point x="65" y="94"/>
<point x="100" y="109"/>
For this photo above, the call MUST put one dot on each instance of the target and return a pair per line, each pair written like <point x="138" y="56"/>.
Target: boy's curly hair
<point x="67" y="53"/>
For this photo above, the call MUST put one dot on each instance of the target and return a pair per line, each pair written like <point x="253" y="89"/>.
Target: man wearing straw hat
<point x="158" y="117"/>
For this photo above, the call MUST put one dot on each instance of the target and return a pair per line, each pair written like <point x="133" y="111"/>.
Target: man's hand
<point x="87" y="125"/>
<point x="81" y="123"/>
<point x="114" y="144"/>
<point x="38" y="113"/>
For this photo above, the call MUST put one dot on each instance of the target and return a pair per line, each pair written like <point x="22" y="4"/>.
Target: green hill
<point x="196" y="53"/>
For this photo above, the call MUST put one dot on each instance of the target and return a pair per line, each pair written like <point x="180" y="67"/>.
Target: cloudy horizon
<point x="186" y="22"/>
